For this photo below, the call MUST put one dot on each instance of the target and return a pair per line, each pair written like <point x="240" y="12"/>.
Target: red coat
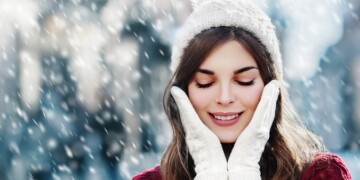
<point x="325" y="166"/>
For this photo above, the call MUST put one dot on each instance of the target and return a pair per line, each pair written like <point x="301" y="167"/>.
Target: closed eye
<point x="203" y="85"/>
<point x="246" y="83"/>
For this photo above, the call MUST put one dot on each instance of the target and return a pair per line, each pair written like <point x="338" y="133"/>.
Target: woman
<point x="229" y="111"/>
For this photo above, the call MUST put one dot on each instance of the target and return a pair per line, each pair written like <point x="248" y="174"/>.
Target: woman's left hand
<point x="244" y="159"/>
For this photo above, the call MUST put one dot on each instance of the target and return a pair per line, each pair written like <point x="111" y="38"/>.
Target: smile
<point x="225" y="119"/>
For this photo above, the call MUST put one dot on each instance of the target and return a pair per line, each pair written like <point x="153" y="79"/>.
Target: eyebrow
<point x="244" y="69"/>
<point x="209" y="72"/>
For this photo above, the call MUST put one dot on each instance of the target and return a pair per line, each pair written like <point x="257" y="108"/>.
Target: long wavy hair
<point x="291" y="145"/>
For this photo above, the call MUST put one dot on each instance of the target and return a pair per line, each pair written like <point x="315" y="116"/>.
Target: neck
<point x="227" y="148"/>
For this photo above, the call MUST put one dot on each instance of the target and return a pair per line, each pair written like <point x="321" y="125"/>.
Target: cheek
<point x="251" y="96"/>
<point x="199" y="98"/>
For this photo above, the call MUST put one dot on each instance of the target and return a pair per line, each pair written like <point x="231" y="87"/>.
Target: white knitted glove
<point x="204" y="146"/>
<point x="245" y="156"/>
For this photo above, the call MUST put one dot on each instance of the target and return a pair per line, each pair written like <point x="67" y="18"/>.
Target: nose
<point x="225" y="96"/>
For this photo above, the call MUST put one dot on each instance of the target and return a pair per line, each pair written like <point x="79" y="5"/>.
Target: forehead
<point x="227" y="56"/>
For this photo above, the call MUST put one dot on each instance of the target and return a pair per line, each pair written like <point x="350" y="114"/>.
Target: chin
<point x="228" y="137"/>
<point x="227" y="140"/>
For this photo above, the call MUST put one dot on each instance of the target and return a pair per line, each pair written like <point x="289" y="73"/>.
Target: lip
<point x="225" y="122"/>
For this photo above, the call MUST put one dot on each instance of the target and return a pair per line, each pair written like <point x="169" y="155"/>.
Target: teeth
<point x="226" y="118"/>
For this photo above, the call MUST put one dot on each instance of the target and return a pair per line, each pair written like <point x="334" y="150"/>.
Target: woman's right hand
<point x="204" y="146"/>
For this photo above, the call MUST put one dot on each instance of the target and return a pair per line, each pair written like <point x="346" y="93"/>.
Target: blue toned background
<point x="81" y="81"/>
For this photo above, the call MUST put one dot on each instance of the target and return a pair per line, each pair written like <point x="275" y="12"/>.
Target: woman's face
<point x="226" y="90"/>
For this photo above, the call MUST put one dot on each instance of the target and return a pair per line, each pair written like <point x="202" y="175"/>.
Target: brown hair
<point x="291" y="145"/>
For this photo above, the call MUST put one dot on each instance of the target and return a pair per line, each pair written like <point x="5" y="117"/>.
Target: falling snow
<point x="81" y="81"/>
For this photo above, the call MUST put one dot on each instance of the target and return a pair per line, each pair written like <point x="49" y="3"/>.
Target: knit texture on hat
<point x="235" y="13"/>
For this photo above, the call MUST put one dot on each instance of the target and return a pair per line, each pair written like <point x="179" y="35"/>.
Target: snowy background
<point x="81" y="81"/>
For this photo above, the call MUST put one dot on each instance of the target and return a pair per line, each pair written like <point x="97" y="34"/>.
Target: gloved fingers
<point x="265" y="111"/>
<point x="189" y="117"/>
<point x="269" y="115"/>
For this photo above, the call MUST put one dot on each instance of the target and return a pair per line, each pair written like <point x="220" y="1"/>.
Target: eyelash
<point x="249" y="83"/>
<point x="203" y="85"/>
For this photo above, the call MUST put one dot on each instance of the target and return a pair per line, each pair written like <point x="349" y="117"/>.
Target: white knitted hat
<point x="236" y="13"/>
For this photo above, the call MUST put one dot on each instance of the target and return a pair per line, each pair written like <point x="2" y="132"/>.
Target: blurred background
<point x="81" y="81"/>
